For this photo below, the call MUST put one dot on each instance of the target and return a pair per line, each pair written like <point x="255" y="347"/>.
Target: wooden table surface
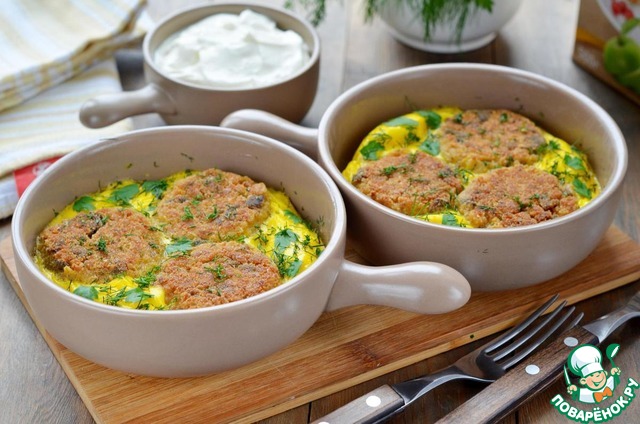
<point x="34" y="388"/>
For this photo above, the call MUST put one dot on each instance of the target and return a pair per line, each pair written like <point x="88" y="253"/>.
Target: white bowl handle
<point x="260" y="122"/>
<point x="422" y="287"/>
<point x="108" y="109"/>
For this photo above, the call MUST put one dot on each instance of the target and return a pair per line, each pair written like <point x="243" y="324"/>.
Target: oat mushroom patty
<point x="213" y="205"/>
<point x="480" y="140"/>
<point x="414" y="184"/>
<point x="97" y="246"/>
<point x="216" y="273"/>
<point x="515" y="196"/>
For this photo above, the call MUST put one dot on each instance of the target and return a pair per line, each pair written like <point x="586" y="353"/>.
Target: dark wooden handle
<point x="368" y="408"/>
<point x="514" y="388"/>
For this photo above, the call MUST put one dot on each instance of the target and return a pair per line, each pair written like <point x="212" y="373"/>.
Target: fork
<point x="485" y="365"/>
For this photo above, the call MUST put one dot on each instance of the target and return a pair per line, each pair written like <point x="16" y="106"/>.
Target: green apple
<point x="631" y="80"/>
<point x="621" y="55"/>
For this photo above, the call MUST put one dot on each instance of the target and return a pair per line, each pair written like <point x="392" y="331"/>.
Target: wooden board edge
<point x="466" y="338"/>
<point x="10" y="272"/>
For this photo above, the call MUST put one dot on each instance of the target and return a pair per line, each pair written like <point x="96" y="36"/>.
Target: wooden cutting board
<point x="343" y="348"/>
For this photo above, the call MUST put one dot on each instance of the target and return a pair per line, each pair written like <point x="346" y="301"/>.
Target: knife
<point x="522" y="382"/>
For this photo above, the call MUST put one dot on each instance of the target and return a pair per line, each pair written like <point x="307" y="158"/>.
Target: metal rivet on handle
<point x="571" y="341"/>
<point x="373" y="401"/>
<point x="532" y="369"/>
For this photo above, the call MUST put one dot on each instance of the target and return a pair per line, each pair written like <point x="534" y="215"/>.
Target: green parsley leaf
<point x="401" y="121"/>
<point x="136" y="295"/>
<point x="102" y="245"/>
<point x="179" y="247"/>
<point x="430" y="145"/>
<point x="188" y="215"/>
<point x="293" y="217"/>
<point x="553" y="145"/>
<point x="157" y="188"/>
<point x="88" y="292"/>
<point x="145" y="280"/>
<point x="581" y="188"/>
<point x="389" y="170"/>
<point x="84" y="203"/>
<point x="370" y="151"/>
<point x="574" y="162"/>
<point x="293" y="268"/>
<point x="123" y="195"/>
<point x="450" y="220"/>
<point x="433" y="119"/>
<point x="284" y="239"/>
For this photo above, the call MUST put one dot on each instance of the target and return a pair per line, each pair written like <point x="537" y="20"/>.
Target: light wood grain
<point x="344" y="348"/>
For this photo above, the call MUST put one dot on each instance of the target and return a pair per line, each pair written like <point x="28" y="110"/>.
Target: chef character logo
<point x="585" y="362"/>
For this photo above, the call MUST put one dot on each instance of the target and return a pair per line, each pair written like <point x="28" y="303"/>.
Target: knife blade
<point x="521" y="383"/>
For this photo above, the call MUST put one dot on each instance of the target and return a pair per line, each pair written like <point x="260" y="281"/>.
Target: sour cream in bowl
<point x="204" y="62"/>
<point x="236" y="51"/>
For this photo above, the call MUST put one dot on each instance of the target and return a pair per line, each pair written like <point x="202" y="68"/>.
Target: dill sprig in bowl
<point x="439" y="26"/>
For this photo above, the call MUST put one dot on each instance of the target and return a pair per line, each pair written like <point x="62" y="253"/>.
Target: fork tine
<point x="529" y="334"/>
<point x="515" y="359"/>
<point x="518" y="328"/>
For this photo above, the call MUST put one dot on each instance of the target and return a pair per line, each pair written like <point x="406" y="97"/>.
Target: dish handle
<point x="256" y="121"/>
<point x="108" y="109"/>
<point x="422" y="287"/>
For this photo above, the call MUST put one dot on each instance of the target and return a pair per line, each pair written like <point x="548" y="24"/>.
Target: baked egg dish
<point x="481" y="168"/>
<point x="191" y="240"/>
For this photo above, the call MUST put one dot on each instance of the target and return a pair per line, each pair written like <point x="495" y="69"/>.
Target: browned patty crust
<point x="480" y="140"/>
<point x="515" y="196"/>
<point x="413" y="184"/>
<point x="99" y="245"/>
<point x="216" y="273"/>
<point x="213" y="205"/>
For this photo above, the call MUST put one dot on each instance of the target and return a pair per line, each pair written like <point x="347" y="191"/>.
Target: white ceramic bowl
<point x="491" y="259"/>
<point x="207" y="340"/>
<point x="180" y="102"/>
<point x="481" y="27"/>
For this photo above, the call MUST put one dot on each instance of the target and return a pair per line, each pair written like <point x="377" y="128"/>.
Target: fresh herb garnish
<point x="293" y="217"/>
<point x="146" y="280"/>
<point x="370" y="151"/>
<point x="433" y="119"/>
<point x="581" y="188"/>
<point x="88" y="292"/>
<point x="157" y="188"/>
<point x="218" y="272"/>
<point x="574" y="162"/>
<point x="179" y="246"/>
<point x="124" y="195"/>
<point x="187" y="215"/>
<point x="389" y="170"/>
<point x="402" y="121"/>
<point x="430" y="145"/>
<point x="450" y="220"/>
<point x="213" y="215"/>
<point x="102" y="245"/>
<point x="84" y="203"/>
<point x="283" y="239"/>
<point x="136" y="295"/>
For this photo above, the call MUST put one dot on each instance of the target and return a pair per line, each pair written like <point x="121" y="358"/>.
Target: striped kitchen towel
<point x="46" y="42"/>
<point x="48" y="125"/>
<point x="54" y="56"/>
